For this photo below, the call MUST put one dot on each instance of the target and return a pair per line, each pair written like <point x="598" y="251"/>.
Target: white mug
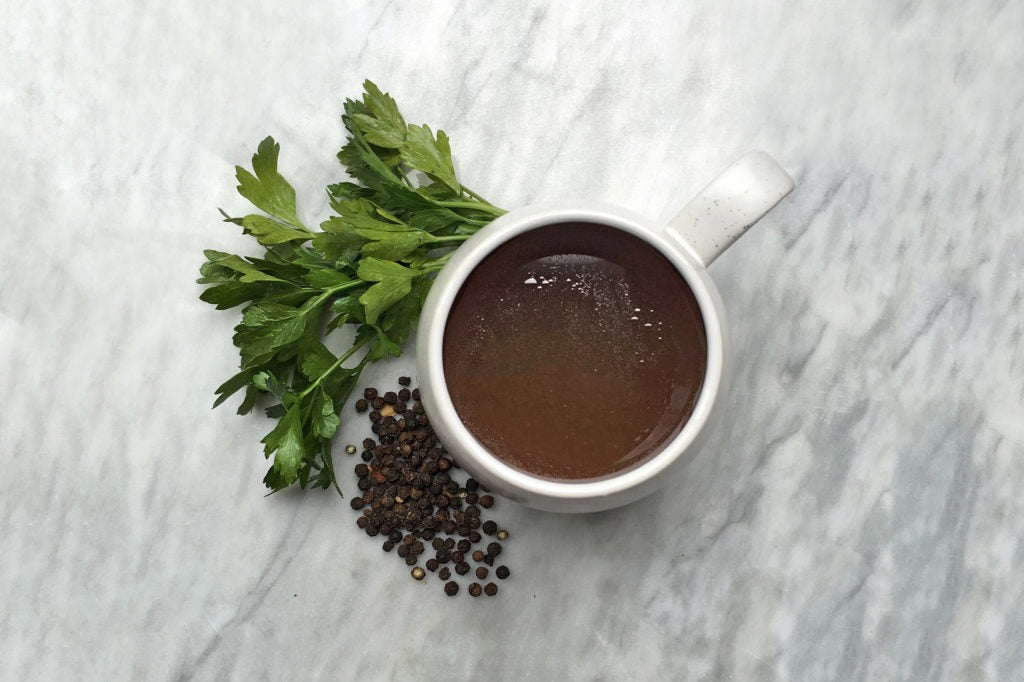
<point x="706" y="226"/>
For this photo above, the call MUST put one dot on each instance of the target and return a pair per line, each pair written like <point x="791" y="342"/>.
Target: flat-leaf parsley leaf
<point x="369" y="267"/>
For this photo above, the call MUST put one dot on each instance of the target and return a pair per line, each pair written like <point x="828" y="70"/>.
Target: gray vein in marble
<point x="857" y="515"/>
<point x="251" y="602"/>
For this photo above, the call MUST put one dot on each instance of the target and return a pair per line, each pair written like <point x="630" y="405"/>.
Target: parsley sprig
<point x="368" y="267"/>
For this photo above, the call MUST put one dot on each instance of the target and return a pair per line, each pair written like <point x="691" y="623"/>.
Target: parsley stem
<point x="327" y="293"/>
<point x="475" y="205"/>
<point x="337" y="363"/>
<point x="476" y="196"/>
<point x="437" y="263"/>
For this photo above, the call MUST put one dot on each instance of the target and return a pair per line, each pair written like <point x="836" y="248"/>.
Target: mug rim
<point x="471" y="253"/>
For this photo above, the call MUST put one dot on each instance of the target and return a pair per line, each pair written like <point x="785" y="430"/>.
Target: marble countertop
<point x="858" y="515"/>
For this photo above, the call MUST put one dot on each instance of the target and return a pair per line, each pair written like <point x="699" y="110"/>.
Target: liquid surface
<point x="574" y="351"/>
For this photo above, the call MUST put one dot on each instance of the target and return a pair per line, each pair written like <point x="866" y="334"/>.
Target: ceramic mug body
<point x="688" y="258"/>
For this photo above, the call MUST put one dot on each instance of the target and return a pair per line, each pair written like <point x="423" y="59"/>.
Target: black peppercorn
<point x="490" y="589"/>
<point x="409" y="494"/>
<point x="474" y="590"/>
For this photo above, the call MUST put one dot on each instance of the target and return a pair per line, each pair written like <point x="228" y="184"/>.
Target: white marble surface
<point x="860" y="517"/>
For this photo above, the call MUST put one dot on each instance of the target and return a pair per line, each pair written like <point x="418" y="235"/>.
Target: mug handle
<point x="740" y="196"/>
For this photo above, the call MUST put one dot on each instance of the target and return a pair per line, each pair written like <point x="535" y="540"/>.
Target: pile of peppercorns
<point x="408" y="495"/>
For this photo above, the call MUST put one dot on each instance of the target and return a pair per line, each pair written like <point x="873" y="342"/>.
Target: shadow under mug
<point x="706" y="226"/>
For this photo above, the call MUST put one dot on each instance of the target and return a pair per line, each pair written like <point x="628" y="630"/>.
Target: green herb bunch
<point x="395" y="224"/>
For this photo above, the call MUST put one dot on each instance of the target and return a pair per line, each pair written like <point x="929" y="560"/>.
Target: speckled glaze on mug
<point x="706" y="226"/>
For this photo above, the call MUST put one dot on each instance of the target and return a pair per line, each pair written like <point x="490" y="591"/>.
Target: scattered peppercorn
<point x="404" y="381"/>
<point x="501" y="572"/>
<point x="411" y="492"/>
<point x="350" y="449"/>
<point x="474" y="589"/>
<point x="490" y="589"/>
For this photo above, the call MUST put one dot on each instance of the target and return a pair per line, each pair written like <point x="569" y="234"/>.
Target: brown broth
<point x="574" y="351"/>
